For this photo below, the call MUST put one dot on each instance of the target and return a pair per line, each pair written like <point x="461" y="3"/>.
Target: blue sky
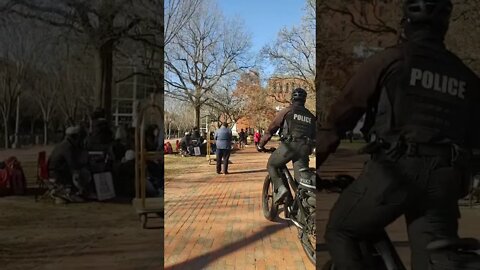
<point x="264" y="18"/>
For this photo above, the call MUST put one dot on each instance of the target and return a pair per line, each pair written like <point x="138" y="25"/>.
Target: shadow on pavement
<point x="202" y="261"/>
<point x="322" y="247"/>
<point x="248" y="171"/>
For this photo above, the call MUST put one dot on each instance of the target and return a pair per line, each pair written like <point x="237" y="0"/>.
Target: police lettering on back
<point x="302" y="118"/>
<point x="438" y="82"/>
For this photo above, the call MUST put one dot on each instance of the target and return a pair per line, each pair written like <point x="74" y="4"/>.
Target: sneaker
<point x="59" y="200"/>
<point x="280" y="195"/>
<point x="75" y="198"/>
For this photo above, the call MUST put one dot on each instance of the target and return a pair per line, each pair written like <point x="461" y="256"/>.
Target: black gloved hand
<point x="260" y="148"/>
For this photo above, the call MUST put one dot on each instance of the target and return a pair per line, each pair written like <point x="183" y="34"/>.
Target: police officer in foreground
<point x="297" y="131"/>
<point x="423" y="105"/>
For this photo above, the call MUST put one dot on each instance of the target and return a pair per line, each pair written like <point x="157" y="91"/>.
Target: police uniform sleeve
<point x="354" y="101"/>
<point x="274" y="126"/>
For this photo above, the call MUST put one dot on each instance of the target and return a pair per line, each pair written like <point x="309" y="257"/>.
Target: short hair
<point x="225" y="124"/>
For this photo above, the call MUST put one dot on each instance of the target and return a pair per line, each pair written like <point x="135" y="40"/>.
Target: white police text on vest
<point x="302" y="118"/>
<point x="438" y="82"/>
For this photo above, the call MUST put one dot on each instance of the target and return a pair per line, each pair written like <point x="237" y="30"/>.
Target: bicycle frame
<point x="290" y="180"/>
<point x="384" y="246"/>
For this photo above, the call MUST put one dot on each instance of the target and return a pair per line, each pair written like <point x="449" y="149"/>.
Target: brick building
<point x="279" y="89"/>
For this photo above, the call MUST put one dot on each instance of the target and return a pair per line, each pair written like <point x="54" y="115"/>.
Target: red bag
<point x="16" y="177"/>
<point x="5" y="188"/>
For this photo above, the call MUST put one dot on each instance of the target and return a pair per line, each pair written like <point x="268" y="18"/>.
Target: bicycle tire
<point x="270" y="210"/>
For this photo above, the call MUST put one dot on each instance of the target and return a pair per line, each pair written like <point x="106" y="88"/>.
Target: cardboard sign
<point x="104" y="186"/>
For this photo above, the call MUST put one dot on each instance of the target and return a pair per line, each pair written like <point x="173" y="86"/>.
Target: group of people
<point x="191" y="140"/>
<point x="82" y="154"/>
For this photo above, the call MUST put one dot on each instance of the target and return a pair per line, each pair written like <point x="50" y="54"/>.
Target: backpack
<point x="4" y="180"/>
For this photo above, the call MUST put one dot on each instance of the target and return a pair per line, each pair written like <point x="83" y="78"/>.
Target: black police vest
<point x="299" y="123"/>
<point x="427" y="101"/>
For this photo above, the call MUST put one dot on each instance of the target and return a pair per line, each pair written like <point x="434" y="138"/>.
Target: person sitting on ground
<point x="119" y="147"/>
<point x="66" y="167"/>
<point x="202" y="143"/>
<point x="168" y="149"/>
<point x="151" y="138"/>
<point x="186" y="144"/>
<point x="125" y="184"/>
<point x="195" y="134"/>
<point x="125" y="180"/>
<point x="101" y="140"/>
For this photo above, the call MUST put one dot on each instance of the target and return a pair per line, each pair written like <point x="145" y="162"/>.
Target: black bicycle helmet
<point x="299" y="94"/>
<point x="428" y="11"/>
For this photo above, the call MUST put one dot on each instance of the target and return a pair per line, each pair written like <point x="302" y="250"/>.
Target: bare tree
<point x="101" y="24"/>
<point x="45" y="91"/>
<point x="227" y="103"/>
<point x="177" y="116"/>
<point x="207" y="49"/>
<point x="177" y="14"/>
<point x="19" y="55"/>
<point x="293" y="54"/>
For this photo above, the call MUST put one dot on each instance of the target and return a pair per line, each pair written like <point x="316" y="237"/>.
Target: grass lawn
<point x="176" y="164"/>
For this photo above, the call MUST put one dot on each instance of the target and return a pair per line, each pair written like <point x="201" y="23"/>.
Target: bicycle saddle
<point x="455" y="243"/>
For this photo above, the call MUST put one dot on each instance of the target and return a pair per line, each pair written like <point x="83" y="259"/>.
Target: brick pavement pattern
<point x="216" y="221"/>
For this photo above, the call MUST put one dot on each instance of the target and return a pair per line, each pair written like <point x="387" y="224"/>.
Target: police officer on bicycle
<point x="423" y="105"/>
<point x="297" y="131"/>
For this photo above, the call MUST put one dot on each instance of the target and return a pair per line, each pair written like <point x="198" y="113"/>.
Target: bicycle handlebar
<point x="264" y="150"/>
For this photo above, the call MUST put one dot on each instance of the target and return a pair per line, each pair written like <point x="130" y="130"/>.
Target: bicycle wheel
<point x="308" y="244"/>
<point x="270" y="210"/>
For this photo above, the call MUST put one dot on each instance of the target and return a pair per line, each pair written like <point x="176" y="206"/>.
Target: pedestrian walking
<point x="223" y="141"/>
<point x="242" y="138"/>
<point x="257" y="137"/>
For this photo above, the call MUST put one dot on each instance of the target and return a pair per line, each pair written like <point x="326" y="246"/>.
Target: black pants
<point x="424" y="189"/>
<point x="222" y="155"/>
<point x="297" y="152"/>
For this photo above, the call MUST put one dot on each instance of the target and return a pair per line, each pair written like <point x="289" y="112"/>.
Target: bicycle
<point x="380" y="254"/>
<point x="299" y="206"/>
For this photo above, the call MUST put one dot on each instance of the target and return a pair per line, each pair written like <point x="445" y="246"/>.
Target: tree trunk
<point x="197" y="115"/>
<point x="45" y="132"/>
<point x="17" y="125"/>
<point x="5" y="123"/>
<point x="104" y="74"/>
<point x="169" y="130"/>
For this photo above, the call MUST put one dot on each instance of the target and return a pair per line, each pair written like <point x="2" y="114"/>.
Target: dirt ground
<point x="346" y="161"/>
<point x="94" y="235"/>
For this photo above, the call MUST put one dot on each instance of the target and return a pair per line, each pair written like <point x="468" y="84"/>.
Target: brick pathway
<point x="216" y="222"/>
<point x="346" y="161"/>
